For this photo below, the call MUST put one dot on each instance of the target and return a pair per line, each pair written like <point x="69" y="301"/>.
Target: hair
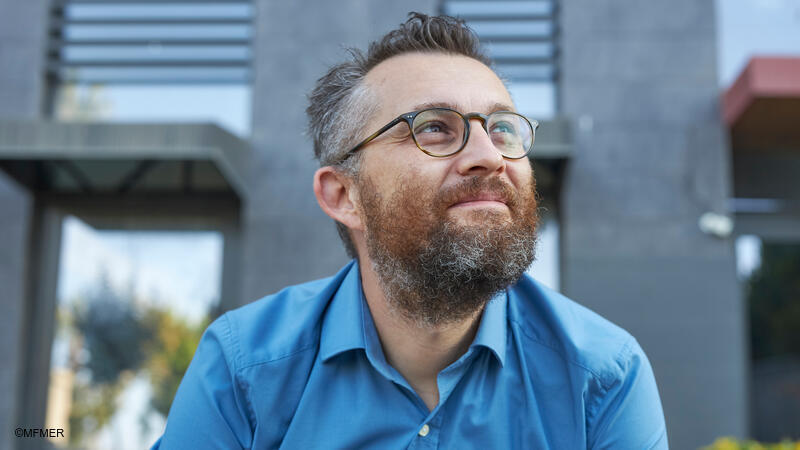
<point x="341" y="103"/>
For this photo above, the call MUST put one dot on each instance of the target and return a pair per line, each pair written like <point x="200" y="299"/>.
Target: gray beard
<point x="455" y="275"/>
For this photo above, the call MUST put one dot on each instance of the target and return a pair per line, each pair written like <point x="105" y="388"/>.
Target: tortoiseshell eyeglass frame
<point x="409" y="117"/>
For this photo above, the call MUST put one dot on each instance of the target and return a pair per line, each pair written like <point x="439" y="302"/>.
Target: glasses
<point x="441" y="132"/>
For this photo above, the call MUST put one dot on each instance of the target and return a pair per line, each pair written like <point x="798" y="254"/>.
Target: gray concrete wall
<point x="22" y="38"/>
<point x="288" y="239"/>
<point x="650" y="157"/>
<point x="22" y="52"/>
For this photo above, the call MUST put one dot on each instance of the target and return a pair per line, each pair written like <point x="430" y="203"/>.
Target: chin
<point x="482" y="216"/>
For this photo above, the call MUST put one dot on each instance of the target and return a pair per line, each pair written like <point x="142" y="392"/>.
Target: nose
<point x="479" y="156"/>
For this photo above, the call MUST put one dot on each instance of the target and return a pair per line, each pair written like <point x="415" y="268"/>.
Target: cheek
<point x="410" y="196"/>
<point x="403" y="174"/>
<point x="521" y="174"/>
<point x="407" y="175"/>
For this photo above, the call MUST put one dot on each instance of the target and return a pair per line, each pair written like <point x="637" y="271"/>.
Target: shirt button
<point x="425" y="430"/>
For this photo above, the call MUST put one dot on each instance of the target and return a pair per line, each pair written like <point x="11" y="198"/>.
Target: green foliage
<point x="92" y="408"/>
<point x="170" y="351"/>
<point x="111" y="332"/>
<point x="121" y="338"/>
<point x="106" y="327"/>
<point x="727" y="443"/>
<point x="774" y="302"/>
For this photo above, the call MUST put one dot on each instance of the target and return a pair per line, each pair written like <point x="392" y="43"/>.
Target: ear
<point x="336" y="196"/>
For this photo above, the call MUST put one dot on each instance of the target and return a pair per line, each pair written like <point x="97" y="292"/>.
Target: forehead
<point x="403" y="83"/>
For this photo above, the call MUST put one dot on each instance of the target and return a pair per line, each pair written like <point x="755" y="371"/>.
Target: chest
<point x="348" y="405"/>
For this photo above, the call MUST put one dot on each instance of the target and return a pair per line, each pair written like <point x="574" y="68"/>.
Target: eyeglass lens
<point x="441" y="132"/>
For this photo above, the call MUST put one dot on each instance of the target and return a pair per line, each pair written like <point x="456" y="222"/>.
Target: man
<point x="434" y="336"/>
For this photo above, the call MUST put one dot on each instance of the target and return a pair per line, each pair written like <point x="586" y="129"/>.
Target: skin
<point x="402" y="84"/>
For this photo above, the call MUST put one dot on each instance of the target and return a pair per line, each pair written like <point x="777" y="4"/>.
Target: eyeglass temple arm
<point x="378" y="133"/>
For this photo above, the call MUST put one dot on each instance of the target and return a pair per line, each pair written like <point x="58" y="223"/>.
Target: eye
<point x="431" y="127"/>
<point x="503" y="127"/>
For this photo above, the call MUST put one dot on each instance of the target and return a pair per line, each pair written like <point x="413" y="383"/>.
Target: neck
<point x="419" y="353"/>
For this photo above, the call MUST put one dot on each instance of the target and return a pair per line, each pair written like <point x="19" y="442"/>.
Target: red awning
<point x="762" y="107"/>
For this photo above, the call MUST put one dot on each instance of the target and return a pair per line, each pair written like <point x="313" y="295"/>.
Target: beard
<point x="434" y="270"/>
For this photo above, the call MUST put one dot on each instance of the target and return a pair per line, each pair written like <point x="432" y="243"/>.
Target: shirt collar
<point x="493" y="328"/>
<point x="342" y="325"/>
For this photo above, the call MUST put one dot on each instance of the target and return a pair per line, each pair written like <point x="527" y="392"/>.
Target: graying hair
<point x="339" y="107"/>
<point x="341" y="103"/>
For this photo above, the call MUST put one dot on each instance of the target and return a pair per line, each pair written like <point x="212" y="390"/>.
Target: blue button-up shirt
<point x="304" y="369"/>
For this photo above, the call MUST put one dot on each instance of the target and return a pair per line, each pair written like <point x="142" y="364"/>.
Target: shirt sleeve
<point x="208" y="410"/>
<point x="629" y="414"/>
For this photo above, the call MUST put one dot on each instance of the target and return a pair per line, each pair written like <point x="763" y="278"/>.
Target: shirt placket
<point x="428" y="434"/>
<point x="429" y="431"/>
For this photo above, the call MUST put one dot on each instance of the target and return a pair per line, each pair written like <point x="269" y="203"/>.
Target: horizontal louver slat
<point x="142" y="41"/>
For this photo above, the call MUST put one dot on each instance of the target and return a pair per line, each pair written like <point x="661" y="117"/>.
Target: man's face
<point x="443" y="234"/>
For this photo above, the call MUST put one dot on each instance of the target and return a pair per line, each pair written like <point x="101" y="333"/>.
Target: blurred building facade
<point x="636" y="155"/>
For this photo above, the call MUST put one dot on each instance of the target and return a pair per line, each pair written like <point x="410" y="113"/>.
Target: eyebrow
<point x="492" y="108"/>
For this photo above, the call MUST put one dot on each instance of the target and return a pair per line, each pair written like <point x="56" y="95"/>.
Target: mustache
<point x="475" y="186"/>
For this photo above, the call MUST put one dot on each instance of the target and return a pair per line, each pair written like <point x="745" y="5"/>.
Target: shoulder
<point x="580" y="336"/>
<point x="622" y="406"/>
<point x="276" y="326"/>
<point x="222" y="398"/>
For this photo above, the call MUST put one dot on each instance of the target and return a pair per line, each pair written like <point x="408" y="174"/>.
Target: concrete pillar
<point x="14" y="221"/>
<point x="639" y="80"/>
<point x="22" y="52"/>
<point x="39" y="312"/>
<point x="231" y="288"/>
<point x="23" y="35"/>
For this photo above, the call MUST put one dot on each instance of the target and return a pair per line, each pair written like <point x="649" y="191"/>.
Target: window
<point x="140" y="60"/>
<point x="521" y="37"/>
<point x="130" y="313"/>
